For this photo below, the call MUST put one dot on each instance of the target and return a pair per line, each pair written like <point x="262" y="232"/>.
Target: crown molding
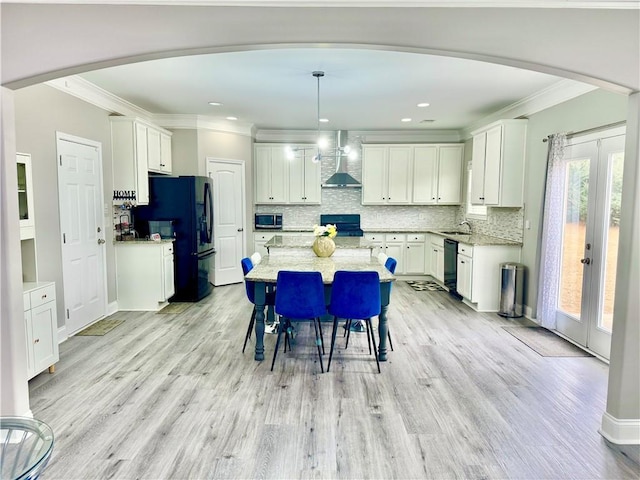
<point x="557" y="93"/>
<point x="202" y="122"/>
<point x="91" y="93"/>
<point x="606" y="4"/>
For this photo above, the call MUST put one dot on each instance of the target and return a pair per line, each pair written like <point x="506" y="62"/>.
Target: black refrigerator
<point x="187" y="202"/>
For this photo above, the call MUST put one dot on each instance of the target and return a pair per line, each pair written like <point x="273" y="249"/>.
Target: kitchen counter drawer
<point x="465" y="249"/>
<point x="42" y="295"/>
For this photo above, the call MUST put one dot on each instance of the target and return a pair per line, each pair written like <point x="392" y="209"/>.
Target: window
<point x="476" y="212"/>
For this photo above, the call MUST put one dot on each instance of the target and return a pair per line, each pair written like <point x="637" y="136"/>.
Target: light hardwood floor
<point x="171" y="396"/>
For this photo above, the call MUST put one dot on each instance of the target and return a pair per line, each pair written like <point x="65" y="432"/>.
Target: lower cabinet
<point x="409" y="249"/>
<point x="479" y="273"/>
<point x="146" y="275"/>
<point x="436" y="253"/>
<point x="41" y="326"/>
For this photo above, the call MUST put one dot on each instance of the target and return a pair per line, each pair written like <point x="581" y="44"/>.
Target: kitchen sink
<point x="455" y="233"/>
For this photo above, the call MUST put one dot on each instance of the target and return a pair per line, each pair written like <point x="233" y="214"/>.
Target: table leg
<point x="260" y="300"/>
<point x="385" y="290"/>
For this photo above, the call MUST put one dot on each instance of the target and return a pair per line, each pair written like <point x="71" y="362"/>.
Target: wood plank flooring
<point x="171" y="396"/>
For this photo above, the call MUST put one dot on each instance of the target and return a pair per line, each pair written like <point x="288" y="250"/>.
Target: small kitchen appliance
<point x="268" y="221"/>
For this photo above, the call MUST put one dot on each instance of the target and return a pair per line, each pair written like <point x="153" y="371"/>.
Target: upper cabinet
<point x="25" y="196"/>
<point x="497" y="171"/>
<point x="413" y="174"/>
<point x="138" y="147"/>
<point x="280" y="180"/>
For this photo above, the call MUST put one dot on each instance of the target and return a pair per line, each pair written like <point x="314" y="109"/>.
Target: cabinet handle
<point x="44" y="296"/>
<point x="461" y="261"/>
<point x="37" y="340"/>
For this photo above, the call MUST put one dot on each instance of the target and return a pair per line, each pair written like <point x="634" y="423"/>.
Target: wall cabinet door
<point x="399" y="181"/>
<point x="153" y="149"/>
<point x="497" y="170"/>
<point x="141" y="165"/>
<point x="25" y="196"/>
<point x="272" y="175"/>
<point x="374" y="174"/>
<point x="166" y="159"/>
<point x="425" y="175"/>
<point x="449" y="184"/>
<point x="304" y="179"/>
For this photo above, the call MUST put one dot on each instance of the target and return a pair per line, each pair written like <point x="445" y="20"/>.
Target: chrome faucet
<point x="464" y="222"/>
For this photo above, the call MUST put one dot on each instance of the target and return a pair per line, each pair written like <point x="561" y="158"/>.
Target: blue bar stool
<point x="247" y="266"/>
<point x="391" y="264"/>
<point x="356" y="296"/>
<point x="300" y="295"/>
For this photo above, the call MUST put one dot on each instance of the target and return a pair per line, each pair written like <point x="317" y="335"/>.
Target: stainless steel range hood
<point x="341" y="179"/>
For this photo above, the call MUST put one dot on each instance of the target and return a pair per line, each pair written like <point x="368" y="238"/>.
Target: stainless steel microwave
<point x="268" y="221"/>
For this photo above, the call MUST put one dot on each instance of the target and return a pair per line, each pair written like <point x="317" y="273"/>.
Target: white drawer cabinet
<point x="409" y="250"/>
<point x="415" y="254"/>
<point x="478" y="278"/>
<point x="146" y="276"/>
<point x="259" y="239"/>
<point x="41" y="326"/>
<point x="436" y="253"/>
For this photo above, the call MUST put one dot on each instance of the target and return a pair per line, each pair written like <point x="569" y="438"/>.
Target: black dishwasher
<point x="451" y="266"/>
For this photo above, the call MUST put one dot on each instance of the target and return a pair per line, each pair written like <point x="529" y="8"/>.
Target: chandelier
<point x="321" y="147"/>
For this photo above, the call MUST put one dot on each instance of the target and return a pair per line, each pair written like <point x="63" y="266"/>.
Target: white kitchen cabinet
<point x="130" y="160"/>
<point x="436" y="252"/>
<point x="304" y="178"/>
<point x="145" y="274"/>
<point x="386" y="174"/>
<point x="41" y="326"/>
<point x="437" y="174"/>
<point x="166" y="158"/>
<point x="479" y="273"/>
<point x="158" y="150"/>
<point x="378" y="240"/>
<point x="25" y="196"/>
<point x="271" y="174"/>
<point x="497" y="169"/>
<point x="394" y="246"/>
<point x="259" y="239"/>
<point x="415" y="254"/>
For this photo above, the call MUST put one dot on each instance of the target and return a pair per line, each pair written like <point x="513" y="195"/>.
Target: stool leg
<point x="369" y="340"/>
<point x="321" y="336"/>
<point x="318" y="342"/>
<point x="348" y="333"/>
<point x="251" y="322"/>
<point x="389" y="337"/>
<point x="275" y="351"/>
<point x="373" y="339"/>
<point x="333" y="340"/>
<point x="347" y="327"/>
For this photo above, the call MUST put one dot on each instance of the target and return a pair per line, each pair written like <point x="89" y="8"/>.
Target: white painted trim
<point x="204" y="123"/>
<point x="91" y="93"/>
<point x="112" y="308"/>
<point x="62" y="334"/>
<point x="365" y="136"/>
<point x="557" y="93"/>
<point x="608" y="4"/>
<point x="621" y="431"/>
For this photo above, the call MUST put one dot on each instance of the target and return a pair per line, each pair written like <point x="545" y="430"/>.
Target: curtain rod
<point x="590" y="130"/>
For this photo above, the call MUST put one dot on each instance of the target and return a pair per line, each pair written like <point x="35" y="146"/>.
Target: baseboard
<point x="620" y="431"/>
<point x="62" y="334"/>
<point x="112" y="308"/>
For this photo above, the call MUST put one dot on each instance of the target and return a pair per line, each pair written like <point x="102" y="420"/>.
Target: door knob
<point x="585" y="261"/>
<point x="101" y="241"/>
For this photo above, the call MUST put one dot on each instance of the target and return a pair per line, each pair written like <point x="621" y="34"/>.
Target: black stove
<point x="348" y="225"/>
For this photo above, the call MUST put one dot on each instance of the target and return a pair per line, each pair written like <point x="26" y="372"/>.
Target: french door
<point x="589" y="245"/>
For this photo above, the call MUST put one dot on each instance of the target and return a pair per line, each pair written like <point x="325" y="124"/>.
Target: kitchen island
<point x="281" y="245"/>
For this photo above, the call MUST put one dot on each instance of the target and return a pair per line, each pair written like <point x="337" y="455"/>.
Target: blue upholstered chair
<point x="299" y="296"/>
<point x="390" y="263"/>
<point x="247" y="266"/>
<point x="356" y="296"/>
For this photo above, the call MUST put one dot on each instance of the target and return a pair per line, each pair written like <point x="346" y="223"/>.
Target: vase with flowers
<point x="323" y="245"/>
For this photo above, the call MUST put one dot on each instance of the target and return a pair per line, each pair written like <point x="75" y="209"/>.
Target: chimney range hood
<point x="341" y="179"/>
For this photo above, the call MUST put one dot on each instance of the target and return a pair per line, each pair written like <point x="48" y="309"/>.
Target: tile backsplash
<point x="501" y="222"/>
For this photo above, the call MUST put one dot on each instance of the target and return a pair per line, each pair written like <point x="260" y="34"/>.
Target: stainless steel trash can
<point x="512" y="289"/>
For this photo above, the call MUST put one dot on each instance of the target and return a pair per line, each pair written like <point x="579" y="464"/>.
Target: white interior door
<point x="82" y="227"/>
<point x="593" y="185"/>
<point x="228" y="220"/>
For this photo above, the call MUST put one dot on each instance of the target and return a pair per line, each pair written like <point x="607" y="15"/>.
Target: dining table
<point x="265" y="274"/>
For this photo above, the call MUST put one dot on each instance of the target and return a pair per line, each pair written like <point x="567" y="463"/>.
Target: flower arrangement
<point x="325" y="231"/>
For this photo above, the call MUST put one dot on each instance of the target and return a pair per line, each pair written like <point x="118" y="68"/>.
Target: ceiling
<point x="361" y="90"/>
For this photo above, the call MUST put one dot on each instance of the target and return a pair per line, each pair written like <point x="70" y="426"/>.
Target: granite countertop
<point x="279" y="241"/>
<point x="139" y="241"/>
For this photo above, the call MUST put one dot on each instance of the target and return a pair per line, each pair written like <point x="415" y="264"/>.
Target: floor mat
<point x="425" y="286"/>
<point x="100" y="328"/>
<point x="177" y="307"/>
<point x="545" y="342"/>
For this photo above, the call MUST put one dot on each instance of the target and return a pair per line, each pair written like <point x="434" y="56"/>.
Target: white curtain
<point x="550" y="252"/>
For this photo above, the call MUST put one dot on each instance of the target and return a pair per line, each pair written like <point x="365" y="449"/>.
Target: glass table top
<point x="27" y="444"/>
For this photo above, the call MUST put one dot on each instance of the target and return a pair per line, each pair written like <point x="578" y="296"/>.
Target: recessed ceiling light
<point x="405" y="120"/>
<point x="215" y="104"/>
<point x="232" y="118"/>
<point x="324" y="120"/>
<point x="424" y="104"/>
